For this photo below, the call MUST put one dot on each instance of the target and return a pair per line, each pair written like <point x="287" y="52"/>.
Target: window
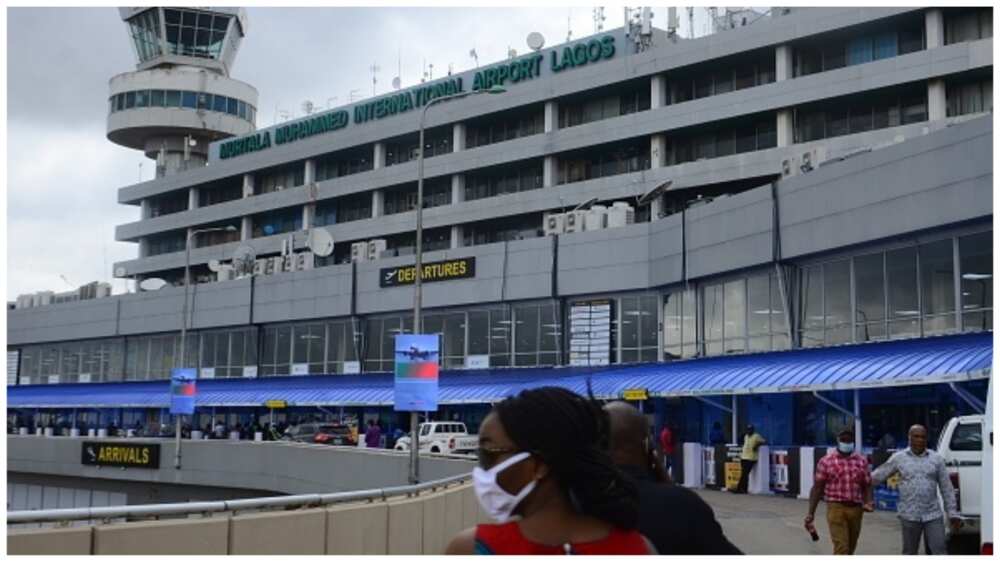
<point x="976" y="253"/>
<point x="965" y="98"/>
<point x="937" y="287"/>
<point x="679" y="334"/>
<point x="968" y="25"/>
<point x="901" y="276"/>
<point x="811" y="293"/>
<point x="276" y="358"/>
<point x="173" y="98"/>
<point x="537" y="330"/>
<point x="504" y="126"/>
<point x="309" y="347"/>
<point x="219" y="103"/>
<point x="967" y="437"/>
<point x="869" y="288"/>
<point x="502" y="180"/>
<point x="277" y="222"/>
<point x="712" y="297"/>
<point x="638" y="327"/>
<point x="765" y="314"/>
<point x="340" y="345"/>
<point x="188" y="99"/>
<point x="277" y="179"/>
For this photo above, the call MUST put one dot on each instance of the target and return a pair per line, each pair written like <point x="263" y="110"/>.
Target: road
<point x="773" y="525"/>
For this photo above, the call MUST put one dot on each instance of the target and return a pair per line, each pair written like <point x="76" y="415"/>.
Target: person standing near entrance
<point x="842" y="479"/>
<point x="667" y="447"/>
<point x="372" y="435"/>
<point x="748" y="457"/>
<point x="921" y="474"/>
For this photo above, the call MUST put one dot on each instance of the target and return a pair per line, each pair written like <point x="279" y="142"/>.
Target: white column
<point x="247" y="185"/>
<point x="457" y="188"/>
<point x="783" y="63"/>
<point x="308" y="214"/>
<point x="934" y="22"/>
<point x="550" y="171"/>
<point x="551" y="116"/>
<point x="657" y="91"/>
<point x="145" y="208"/>
<point x="458" y="137"/>
<point x="378" y="203"/>
<point x="658" y="151"/>
<point x="456" y="236"/>
<point x="937" y="100"/>
<point x="246" y="229"/>
<point x="192" y="198"/>
<point x="784" y="126"/>
<point x="143" y="247"/>
<point x="309" y="174"/>
<point x="378" y="159"/>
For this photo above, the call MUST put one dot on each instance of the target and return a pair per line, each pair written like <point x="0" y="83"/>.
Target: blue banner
<point x="416" y="381"/>
<point x="182" y="390"/>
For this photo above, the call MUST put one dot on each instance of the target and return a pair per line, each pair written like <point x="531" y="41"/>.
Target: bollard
<point x="258" y="436"/>
<point x="49" y="432"/>
<point x="234" y="435"/>
<point x="196" y="435"/>
<point x="91" y="432"/>
<point x="102" y="432"/>
<point x="129" y="433"/>
<point x="39" y="431"/>
<point x="74" y="432"/>
<point x="22" y="431"/>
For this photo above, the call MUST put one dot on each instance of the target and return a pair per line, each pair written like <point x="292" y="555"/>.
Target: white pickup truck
<point x="442" y="437"/>
<point x="961" y="445"/>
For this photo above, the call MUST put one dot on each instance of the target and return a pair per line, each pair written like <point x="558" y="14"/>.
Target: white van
<point x="961" y="445"/>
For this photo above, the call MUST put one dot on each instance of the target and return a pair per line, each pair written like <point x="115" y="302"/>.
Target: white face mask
<point x="846" y="448"/>
<point x="495" y="501"/>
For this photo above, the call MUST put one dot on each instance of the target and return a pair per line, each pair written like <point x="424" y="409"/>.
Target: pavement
<point x="773" y="525"/>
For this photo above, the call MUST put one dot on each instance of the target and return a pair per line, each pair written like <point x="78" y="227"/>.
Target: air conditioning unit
<point x="103" y="290"/>
<point x="359" y="252"/>
<point x="554" y="223"/>
<point x="375" y="248"/>
<point x="575" y="220"/>
<point x="260" y="266"/>
<point x="620" y="214"/>
<point x="596" y="218"/>
<point x="288" y="262"/>
<point x="304" y="261"/>
<point x="225" y="273"/>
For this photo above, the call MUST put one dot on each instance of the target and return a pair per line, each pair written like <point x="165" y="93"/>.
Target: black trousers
<point x="745" y="468"/>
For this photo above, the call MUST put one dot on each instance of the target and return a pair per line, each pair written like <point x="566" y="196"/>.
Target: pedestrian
<point x="543" y="458"/>
<point x="716" y="436"/>
<point x="843" y="481"/>
<point x="667" y="447"/>
<point x="372" y="435"/>
<point x="922" y="474"/>
<point x="396" y="435"/>
<point x="675" y="519"/>
<point x="748" y="457"/>
<point x="220" y="430"/>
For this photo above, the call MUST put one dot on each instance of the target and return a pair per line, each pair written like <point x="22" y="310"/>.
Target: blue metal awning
<point x="897" y="363"/>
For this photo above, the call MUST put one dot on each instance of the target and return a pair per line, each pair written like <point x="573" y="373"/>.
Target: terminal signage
<point x="635" y="394"/>
<point x="416" y="373"/>
<point x="511" y="71"/>
<point x="182" y="391"/>
<point x="275" y="404"/>
<point x="462" y="268"/>
<point x="130" y="455"/>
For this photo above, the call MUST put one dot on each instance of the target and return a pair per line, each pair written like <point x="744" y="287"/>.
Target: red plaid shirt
<point x="845" y="477"/>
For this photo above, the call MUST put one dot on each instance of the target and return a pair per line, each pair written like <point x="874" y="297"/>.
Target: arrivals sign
<point x="131" y="455"/>
<point x="446" y="270"/>
<point x="416" y="380"/>
<point x="182" y="390"/>
<point x="513" y="71"/>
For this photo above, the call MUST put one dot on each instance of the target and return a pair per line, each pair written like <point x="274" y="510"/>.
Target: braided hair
<point x="570" y="434"/>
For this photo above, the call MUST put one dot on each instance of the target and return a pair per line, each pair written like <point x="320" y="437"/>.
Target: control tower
<point x="180" y="97"/>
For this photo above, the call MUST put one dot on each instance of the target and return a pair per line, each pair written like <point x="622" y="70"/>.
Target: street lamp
<point x="419" y="259"/>
<point x="184" y="322"/>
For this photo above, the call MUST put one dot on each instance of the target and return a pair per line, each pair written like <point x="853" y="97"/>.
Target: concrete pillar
<point x="246" y="229"/>
<point x="550" y="171"/>
<point x="308" y="215"/>
<point x="786" y="134"/>
<point x="657" y="91"/>
<point x="457" y="188"/>
<point x="458" y="137"/>
<point x="378" y="160"/>
<point x="192" y="198"/>
<point x="145" y="208"/>
<point x="378" y="202"/>
<point x="783" y="69"/>
<point x="934" y="24"/>
<point x="309" y="174"/>
<point x="551" y="116"/>
<point x="456" y="236"/>
<point x="937" y="100"/>
<point x="658" y="151"/>
<point x="247" y="185"/>
<point x="143" y="247"/>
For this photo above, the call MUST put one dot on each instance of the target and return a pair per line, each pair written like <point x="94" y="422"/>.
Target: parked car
<point x="961" y="445"/>
<point x="335" y="434"/>
<point x="442" y="437"/>
<point x="302" y="433"/>
<point x="986" y="518"/>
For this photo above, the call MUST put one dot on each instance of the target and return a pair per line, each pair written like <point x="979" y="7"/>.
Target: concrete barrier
<point x="357" y="529"/>
<point x="453" y="501"/>
<point x="22" y="431"/>
<point x="182" y="536"/>
<point x="74" y="432"/>
<point x="75" y="540"/>
<point x="406" y="526"/>
<point x="435" y="535"/>
<point x="290" y="532"/>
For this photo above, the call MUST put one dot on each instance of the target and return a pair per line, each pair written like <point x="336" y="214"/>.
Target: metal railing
<point x="155" y="511"/>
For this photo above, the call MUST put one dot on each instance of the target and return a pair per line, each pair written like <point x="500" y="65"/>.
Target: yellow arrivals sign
<point x="132" y="455"/>
<point x="635" y="394"/>
<point x="276" y="404"/>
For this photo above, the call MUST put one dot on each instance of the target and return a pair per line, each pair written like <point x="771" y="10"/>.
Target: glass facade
<point x="195" y="34"/>
<point x="184" y="99"/>
<point x="146" y="34"/>
<point x="76" y="361"/>
<point x="860" y="113"/>
<point x="838" y="51"/>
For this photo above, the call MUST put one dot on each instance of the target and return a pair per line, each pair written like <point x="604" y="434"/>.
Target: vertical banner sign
<point x="779" y="470"/>
<point x="708" y="466"/>
<point x="733" y="466"/>
<point x="590" y="333"/>
<point x="416" y="384"/>
<point x="182" y="390"/>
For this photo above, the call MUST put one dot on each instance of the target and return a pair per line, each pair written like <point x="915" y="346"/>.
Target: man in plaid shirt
<point x="843" y="480"/>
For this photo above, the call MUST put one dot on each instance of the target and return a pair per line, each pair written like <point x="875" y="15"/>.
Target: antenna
<point x="599" y="18"/>
<point x="511" y="53"/>
<point x="374" y="68"/>
<point x="652" y="194"/>
<point x="243" y="260"/>
<point x="352" y="94"/>
<point x="66" y="281"/>
<point x="473" y="54"/>
<point x="690" y="23"/>
<point x="535" y="41"/>
<point x="569" y="27"/>
<point x="320" y="242"/>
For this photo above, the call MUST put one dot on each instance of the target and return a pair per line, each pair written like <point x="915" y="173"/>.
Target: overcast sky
<point x="63" y="174"/>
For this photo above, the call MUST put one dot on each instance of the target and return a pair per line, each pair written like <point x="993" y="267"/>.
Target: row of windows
<point x="195" y="34"/>
<point x="745" y="136"/>
<point x="501" y="180"/>
<point x="504" y="127"/>
<point x="594" y="108"/>
<point x="437" y="192"/>
<point x="602" y="161"/>
<point x="744" y="74"/>
<point x="436" y="143"/>
<point x="836" y="53"/>
<point x="182" y="98"/>
<point x="145" y="30"/>
<point x="932" y="288"/>
<point x="856" y="114"/>
<point x="969" y="97"/>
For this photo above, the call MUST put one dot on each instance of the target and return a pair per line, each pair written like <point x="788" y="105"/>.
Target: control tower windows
<point x="201" y="101"/>
<point x="195" y="34"/>
<point x="145" y="30"/>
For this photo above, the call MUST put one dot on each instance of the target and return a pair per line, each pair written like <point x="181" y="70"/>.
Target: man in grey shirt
<point x="921" y="473"/>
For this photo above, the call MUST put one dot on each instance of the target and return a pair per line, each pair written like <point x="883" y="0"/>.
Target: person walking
<point x="543" y="460"/>
<point x="667" y="447"/>
<point x="372" y="435"/>
<point x="843" y="481"/>
<point x="676" y="520"/>
<point x="716" y="436"/>
<point x="922" y="474"/>
<point x="748" y="457"/>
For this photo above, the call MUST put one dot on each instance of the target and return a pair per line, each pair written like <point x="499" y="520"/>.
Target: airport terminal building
<point x="783" y="222"/>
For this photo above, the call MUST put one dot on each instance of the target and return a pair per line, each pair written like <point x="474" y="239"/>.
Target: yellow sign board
<point x="635" y="394"/>
<point x="733" y="471"/>
<point x="276" y="404"/>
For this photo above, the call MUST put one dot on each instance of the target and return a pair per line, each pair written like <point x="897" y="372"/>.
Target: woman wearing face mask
<point x="543" y="459"/>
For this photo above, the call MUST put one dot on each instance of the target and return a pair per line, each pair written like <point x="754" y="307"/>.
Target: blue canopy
<point x="896" y="363"/>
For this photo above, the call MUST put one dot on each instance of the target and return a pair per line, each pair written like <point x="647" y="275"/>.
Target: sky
<point x="63" y="174"/>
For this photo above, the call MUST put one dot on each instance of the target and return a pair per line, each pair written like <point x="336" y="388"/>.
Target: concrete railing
<point x="401" y="520"/>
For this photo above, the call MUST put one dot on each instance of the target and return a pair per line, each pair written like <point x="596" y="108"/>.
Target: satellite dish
<point x="152" y="284"/>
<point x="120" y="271"/>
<point x="243" y="260"/>
<point x="652" y="194"/>
<point x="214" y="266"/>
<point x="536" y="41"/>
<point x="320" y="242"/>
<point x="396" y="83"/>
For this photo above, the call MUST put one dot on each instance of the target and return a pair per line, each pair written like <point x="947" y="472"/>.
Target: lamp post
<point x="184" y="323"/>
<point x="419" y="259"/>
